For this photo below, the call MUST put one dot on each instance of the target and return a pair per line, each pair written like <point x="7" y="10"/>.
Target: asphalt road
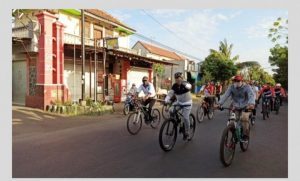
<point x="52" y="146"/>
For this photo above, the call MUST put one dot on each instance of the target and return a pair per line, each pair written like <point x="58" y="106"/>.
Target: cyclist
<point x="133" y="89"/>
<point x="209" y="94"/>
<point x="218" y="90"/>
<point x="242" y="97"/>
<point x="279" y="91"/>
<point x="255" y="92"/>
<point x="266" y="93"/>
<point x="149" y="98"/>
<point x="181" y="90"/>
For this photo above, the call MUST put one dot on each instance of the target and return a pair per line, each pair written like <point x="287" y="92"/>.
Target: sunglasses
<point x="144" y="80"/>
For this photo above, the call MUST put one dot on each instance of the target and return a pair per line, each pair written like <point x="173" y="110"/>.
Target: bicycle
<point x="166" y="107"/>
<point x="135" y="119"/>
<point x="277" y="103"/>
<point x="169" y="129"/>
<point x="266" y="109"/>
<point x="232" y="135"/>
<point x="128" y="104"/>
<point x="204" y="109"/>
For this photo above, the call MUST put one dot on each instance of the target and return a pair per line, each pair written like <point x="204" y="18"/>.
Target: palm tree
<point x="224" y="52"/>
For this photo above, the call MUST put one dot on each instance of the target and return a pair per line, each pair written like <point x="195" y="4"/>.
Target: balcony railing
<point x="75" y="39"/>
<point x="26" y="31"/>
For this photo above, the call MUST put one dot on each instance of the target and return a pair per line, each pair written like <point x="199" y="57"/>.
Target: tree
<point x="279" y="32"/>
<point x="218" y="69"/>
<point x="159" y="71"/>
<point x="219" y="65"/>
<point x="224" y="52"/>
<point x="279" y="53"/>
<point x="279" y="58"/>
<point x="251" y="70"/>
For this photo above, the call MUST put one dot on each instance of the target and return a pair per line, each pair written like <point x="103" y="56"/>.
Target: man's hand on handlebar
<point x="251" y="106"/>
<point x="218" y="106"/>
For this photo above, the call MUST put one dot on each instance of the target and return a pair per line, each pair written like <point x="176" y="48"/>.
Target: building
<point x="185" y="65"/>
<point x="47" y="62"/>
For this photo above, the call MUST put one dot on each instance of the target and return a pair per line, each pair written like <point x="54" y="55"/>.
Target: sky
<point x="196" y="31"/>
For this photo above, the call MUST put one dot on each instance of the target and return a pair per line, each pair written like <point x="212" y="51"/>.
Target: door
<point x="117" y="90"/>
<point x="19" y="82"/>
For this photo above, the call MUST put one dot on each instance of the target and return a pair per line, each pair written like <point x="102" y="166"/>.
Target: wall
<point x="72" y="24"/>
<point x="138" y="46"/>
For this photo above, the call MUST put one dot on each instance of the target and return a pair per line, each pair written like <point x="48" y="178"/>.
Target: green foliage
<point x="279" y="58"/>
<point x="89" y="101"/>
<point x="219" y="65"/>
<point x="279" y="32"/>
<point x="159" y="69"/>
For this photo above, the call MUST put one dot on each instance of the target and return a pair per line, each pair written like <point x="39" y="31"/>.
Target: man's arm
<point x="251" y="99"/>
<point x="151" y="90"/>
<point x="170" y="94"/>
<point x="225" y="96"/>
<point x="187" y="85"/>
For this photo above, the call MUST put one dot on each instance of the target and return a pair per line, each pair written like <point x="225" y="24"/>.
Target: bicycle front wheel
<point x="227" y="146"/>
<point x="192" y="126"/>
<point x="244" y="145"/>
<point x="134" y="123"/>
<point x="126" y="109"/>
<point x="264" y="111"/>
<point x="167" y="135"/>
<point x="210" y="114"/>
<point x="165" y="112"/>
<point x="200" y="113"/>
<point x="155" y="118"/>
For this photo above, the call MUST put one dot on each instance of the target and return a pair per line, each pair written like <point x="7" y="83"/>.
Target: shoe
<point x="245" y="139"/>
<point x="180" y="129"/>
<point x="186" y="136"/>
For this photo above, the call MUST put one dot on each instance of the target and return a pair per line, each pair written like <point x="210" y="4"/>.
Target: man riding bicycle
<point x="149" y="98"/>
<point x="242" y="97"/>
<point x="266" y="93"/>
<point x="279" y="91"/>
<point x="255" y="91"/>
<point x="209" y="96"/>
<point x="181" y="90"/>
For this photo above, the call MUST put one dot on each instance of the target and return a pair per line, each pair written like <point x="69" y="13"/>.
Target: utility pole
<point x="82" y="56"/>
<point x="104" y="67"/>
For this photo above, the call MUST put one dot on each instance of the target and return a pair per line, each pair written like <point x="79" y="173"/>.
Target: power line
<point x="172" y="32"/>
<point x="165" y="46"/>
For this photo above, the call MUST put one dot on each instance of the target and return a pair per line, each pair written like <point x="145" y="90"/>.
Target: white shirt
<point x="147" y="90"/>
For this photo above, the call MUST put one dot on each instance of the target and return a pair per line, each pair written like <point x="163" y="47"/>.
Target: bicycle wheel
<point x="200" y="113"/>
<point x="277" y="106"/>
<point x="268" y="111"/>
<point x="167" y="135"/>
<point x="155" y="118"/>
<point x="192" y="126"/>
<point x="134" y="123"/>
<point x="126" y="109"/>
<point x="165" y="112"/>
<point x="264" y="111"/>
<point x="244" y="145"/>
<point x="210" y="114"/>
<point x="227" y="146"/>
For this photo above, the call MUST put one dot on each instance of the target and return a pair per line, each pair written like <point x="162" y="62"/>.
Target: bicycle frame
<point x="234" y="121"/>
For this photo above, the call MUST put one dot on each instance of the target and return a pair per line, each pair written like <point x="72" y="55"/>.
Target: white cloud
<point x="261" y="29"/>
<point x="120" y="15"/>
<point x="167" y="13"/>
<point x="198" y="28"/>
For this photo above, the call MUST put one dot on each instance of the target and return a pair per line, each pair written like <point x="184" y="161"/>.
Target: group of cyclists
<point x="244" y="95"/>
